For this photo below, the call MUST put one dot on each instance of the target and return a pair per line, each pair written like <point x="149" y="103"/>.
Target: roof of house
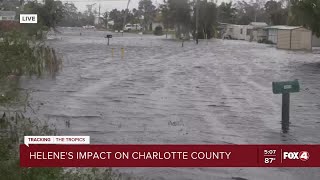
<point x="101" y="16"/>
<point x="282" y="27"/>
<point x="235" y="25"/>
<point x="258" y="24"/>
<point x="111" y="22"/>
<point x="7" y="13"/>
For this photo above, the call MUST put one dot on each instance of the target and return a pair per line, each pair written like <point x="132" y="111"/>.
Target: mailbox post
<point x="182" y="40"/>
<point x="285" y="88"/>
<point x="108" y="36"/>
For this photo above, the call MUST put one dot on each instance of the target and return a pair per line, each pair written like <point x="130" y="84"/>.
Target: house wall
<point x="315" y="41"/>
<point x="236" y="31"/>
<point x="155" y="24"/>
<point x="247" y="31"/>
<point x="96" y="20"/>
<point x="283" y="41"/>
<point x="261" y="34"/>
<point x="273" y="35"/>
<point x="6" y="18"/>
<point x="244" y="32"/>
<point x="296" y="39"/>
<point x="301" y="39"/>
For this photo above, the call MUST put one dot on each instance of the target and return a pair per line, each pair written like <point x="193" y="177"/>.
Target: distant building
<point x="110" y="24"/>
<point x="98" y="20"/>
<point x="290" y="37"/>
<point x="315" y="41"/>
<point x="8" y="22"/>
<point x="272" y="32"/>
<point x="251" y="32"/>
<point x="9" y="26"/>
<point x="295" y="39"/>
<point x="155" y="24"/>
<point x="234" y="31"/>
<point x="255" y="31"/>
<point x="157" y="21"/>
<point x="7" y="15"/>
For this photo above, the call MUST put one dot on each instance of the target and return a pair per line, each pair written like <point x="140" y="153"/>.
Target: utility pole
<point x="197" y="20"/>
<point x="125" y="14"/>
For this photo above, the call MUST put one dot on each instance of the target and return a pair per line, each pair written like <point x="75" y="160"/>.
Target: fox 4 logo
<point x="302" y="155"/>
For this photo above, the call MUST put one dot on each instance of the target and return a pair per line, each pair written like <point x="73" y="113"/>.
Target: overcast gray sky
<point x="107" y="5"/>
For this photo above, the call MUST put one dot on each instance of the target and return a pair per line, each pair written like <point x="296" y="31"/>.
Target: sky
<point x="107" y="5"/>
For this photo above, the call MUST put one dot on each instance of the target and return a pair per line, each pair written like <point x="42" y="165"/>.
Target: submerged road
<point x="217" y="92"/>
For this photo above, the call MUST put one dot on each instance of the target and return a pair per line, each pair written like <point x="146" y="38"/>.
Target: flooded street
<point x="217" y="92"/>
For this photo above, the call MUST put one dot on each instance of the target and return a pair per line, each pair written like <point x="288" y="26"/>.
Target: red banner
<point x="170" y="155"/>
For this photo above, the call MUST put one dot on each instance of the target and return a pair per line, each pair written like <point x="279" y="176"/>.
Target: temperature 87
<point x="268" y="160"/>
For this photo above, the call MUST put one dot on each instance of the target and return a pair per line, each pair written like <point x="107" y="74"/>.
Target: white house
<point x="255" y="31"/>
<point x="110" y="24"/>
<point x="155" y="24"/>
<point x="98" y="20"/>
<point x="234" y="31"/>
<point x="7" y="15"/>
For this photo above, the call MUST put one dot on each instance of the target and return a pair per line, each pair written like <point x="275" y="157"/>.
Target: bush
<point x="13" y="126"/>
<point x="158" y="31"/>
<point x="20" y="56"/>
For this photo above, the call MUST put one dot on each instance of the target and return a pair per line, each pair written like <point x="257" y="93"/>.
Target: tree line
<point x="181" y="15"/>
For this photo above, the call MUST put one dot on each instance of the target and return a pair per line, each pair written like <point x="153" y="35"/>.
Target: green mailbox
<point x="285" y="87"/>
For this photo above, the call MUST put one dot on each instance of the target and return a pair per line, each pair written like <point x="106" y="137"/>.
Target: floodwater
<point x="216" y="92"/>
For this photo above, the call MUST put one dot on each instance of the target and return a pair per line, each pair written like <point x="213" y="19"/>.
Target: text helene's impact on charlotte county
<point x="130" y="155"/>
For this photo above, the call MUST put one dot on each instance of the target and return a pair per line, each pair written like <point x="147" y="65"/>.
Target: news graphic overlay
<point x="56" y="140"/>
<point x="302" y="155"/>
<point x="75" y="151"/>
<point x="28" y="18"/>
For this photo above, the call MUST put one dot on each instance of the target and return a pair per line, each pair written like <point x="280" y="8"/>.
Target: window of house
<point x="241" y="31"/>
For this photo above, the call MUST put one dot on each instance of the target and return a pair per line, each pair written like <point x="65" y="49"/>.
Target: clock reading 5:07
<point x="269" y="152"/>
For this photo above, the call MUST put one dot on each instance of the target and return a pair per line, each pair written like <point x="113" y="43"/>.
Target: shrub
<point x="158" y="31"/>
<point x="13" y="126"/>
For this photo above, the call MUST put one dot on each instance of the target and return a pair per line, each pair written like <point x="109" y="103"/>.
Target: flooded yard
<point x="157" y="92"/>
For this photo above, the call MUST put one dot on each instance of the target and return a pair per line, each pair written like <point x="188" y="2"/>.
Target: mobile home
<point x="252" y="32"/>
